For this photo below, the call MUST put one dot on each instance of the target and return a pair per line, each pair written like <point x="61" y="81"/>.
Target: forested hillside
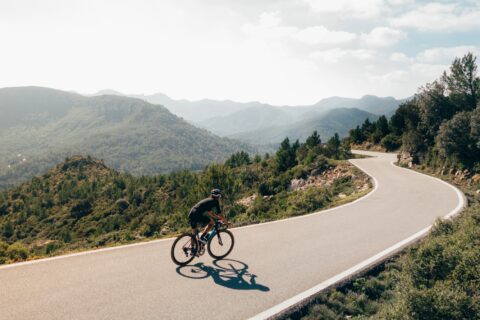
<point x="339" y="120"/>
<point x="43" y="126"/>
<point x="438" y="133"/>
<point x="81" y="203"/>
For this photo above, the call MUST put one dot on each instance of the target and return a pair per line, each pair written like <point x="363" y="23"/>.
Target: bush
<point x="81" y="208"/>
<point x="391" y="142"/>
<point x="122" y="204"/>
<point x="17" y="252"/>
<point x="3" y="252"/>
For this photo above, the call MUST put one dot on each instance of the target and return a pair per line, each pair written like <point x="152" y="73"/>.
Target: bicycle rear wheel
<point x="184" y="249"/>
<point x="220" y="245"/>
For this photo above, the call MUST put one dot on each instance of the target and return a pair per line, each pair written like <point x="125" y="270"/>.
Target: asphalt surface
<point x="270" y="262"/>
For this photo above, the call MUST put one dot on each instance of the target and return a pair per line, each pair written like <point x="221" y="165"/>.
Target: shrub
<point x="3" y="252"/>
<point x="17" y="252"/>
<point x="122" y="204"/>
<point x="391" y="142"/>
<point x="81" y="208"/>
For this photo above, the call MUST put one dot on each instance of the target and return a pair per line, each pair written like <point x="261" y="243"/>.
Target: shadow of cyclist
<point x="228" y="273"/>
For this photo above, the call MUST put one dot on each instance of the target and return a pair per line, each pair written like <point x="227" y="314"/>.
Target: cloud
<point x="321" y="35"/>
<point x="440" y="17"/>
<point x="400" y="57"/>
<point x="337" y="54"/>
<point x="383" y="37"/>
<point x="364" y="9"/>
<point x="393" y="76"/>
<point x="400" y="2"/>
<point x="269" y="26"/>
<point x="445" y="55"/>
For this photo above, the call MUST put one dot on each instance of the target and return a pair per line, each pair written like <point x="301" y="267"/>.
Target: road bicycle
<point x="187" y="246"/>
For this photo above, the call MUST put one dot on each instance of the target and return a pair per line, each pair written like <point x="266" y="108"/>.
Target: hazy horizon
<point x="289" y="52"/>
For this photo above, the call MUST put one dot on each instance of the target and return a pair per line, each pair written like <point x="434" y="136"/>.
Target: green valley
<point x="43" y="126"/>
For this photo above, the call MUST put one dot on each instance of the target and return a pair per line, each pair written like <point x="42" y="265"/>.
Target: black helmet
<point x="216" y="193"/>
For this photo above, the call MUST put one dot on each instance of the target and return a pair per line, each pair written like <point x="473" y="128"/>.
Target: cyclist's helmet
<point x="216" y="193"/>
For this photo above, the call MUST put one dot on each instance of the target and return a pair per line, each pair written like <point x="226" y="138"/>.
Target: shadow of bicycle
<point x="228" y="273"/>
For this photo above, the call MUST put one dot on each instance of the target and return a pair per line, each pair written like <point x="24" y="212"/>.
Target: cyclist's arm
<point x="218" y="216"/>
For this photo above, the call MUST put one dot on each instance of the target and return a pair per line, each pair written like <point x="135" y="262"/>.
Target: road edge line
<point x="290" y="303"/>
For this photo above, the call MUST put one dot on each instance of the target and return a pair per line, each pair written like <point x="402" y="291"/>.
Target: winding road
<point x="273" y="265"/>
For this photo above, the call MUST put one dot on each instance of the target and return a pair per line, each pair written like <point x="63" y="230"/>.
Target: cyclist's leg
<point x="207" y="220"/>
<point x="192" y="219"/>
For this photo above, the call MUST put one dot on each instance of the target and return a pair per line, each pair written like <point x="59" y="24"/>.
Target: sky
<point x="283" y="52"/>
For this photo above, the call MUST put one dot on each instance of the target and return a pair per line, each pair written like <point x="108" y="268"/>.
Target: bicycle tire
<point x="214" y="241"/>
<point x="183" y="240"/>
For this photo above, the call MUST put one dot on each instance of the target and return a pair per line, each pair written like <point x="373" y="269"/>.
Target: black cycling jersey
<point x="206" y="205"/>
<point x="198" y="213"/>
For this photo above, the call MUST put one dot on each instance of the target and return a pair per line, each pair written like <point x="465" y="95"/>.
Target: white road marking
<point x="364" y="264"/>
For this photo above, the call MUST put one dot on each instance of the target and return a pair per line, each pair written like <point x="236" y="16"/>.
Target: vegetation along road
<point x="270" y="264"/>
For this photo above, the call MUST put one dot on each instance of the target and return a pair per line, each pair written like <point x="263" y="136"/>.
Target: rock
<point x="342" y="195"/>
<point x="297" y="184"/>
<point x="247" y="201"/>
<point x="476" y="178"/>
<point x="478" y="191"/>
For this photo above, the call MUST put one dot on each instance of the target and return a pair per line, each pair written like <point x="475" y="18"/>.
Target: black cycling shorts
<point x="195" y="218"/>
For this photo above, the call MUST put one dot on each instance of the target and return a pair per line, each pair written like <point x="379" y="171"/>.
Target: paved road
<point x="270" y="263"/>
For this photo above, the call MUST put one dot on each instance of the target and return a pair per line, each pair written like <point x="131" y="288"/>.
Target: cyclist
<point x="204" y="213"/>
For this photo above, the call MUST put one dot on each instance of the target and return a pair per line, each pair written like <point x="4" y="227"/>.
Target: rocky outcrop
<point x="324" y="179"/>
<point x="247" y="201"/>
<point x="405" y="159"/>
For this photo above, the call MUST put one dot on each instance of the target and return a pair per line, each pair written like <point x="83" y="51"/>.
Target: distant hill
<point x="254" y="118"/>
<point x="42" y="126"/>
<point x="373" y="104"/>
<point x="265" y="125"/>
<point x="209" y="113"/>
<point x="245" y="120"/>
<point x="34" y="106"/>
<point x="339" y="120"/>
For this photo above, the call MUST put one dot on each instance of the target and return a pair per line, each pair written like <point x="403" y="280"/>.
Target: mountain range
<point x="260" y="123"/>
<point x="39" y="127"/>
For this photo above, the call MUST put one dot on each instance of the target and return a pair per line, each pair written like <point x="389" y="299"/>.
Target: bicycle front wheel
<point x="184" y="249"/>
<point x="220" y="245"/>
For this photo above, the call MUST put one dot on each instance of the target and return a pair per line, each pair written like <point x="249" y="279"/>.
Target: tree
<point x="81" y="208"/>
<point x="367" y="127"/>
<point x="8" y="229"/>
<point x="475" y="130"/>
<point x="285" y="156"/>
<point x="381" y="129"/>
<point x="412" y="142"/>
<point x="391" y="142"/>
<point x="238" y="159"/>
<point x="333" y="146"/>
<point x="463" y="83"/>
<point x="455" y="139"/>
<point x="406" y="118"/>
<point x="357" y="135"/>
<point x="313" y="140"/>
<point x="434" y="107"/>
